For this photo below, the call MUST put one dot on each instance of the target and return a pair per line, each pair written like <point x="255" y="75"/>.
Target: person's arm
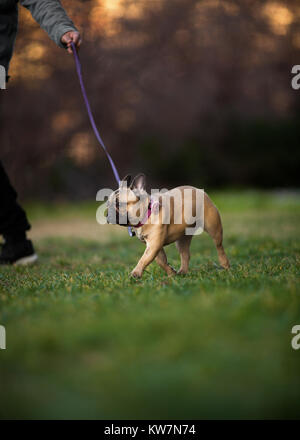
<point x="51" y="16"/>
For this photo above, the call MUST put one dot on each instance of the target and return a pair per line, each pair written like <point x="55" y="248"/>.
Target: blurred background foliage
<point x="187" y="91"/>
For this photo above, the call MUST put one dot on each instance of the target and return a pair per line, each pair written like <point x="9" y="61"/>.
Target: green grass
<point x="86" y="341"/>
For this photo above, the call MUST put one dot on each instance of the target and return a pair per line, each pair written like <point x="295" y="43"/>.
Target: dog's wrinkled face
<point x="128" y="204"/>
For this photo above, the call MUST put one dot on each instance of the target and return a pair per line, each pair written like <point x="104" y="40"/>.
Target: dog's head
<point x="128" y="204"/>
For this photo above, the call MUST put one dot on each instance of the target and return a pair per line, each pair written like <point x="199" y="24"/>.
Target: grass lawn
<point x="86" y="341"/>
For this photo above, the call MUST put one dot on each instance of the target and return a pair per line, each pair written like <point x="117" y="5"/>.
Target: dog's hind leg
<point x="213" y="226"/>
<point x="221" y="253"/>
<point x="183" y="246"/>
<point x="162" y="261"/>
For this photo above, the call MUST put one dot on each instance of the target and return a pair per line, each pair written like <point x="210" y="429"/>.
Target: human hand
<point x="71" y="37"/>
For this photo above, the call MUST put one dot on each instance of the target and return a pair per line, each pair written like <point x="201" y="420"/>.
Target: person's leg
<point x="13" y="221"/>
<point x="13" y="226"/>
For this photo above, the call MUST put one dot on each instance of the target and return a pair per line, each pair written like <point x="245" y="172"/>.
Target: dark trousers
<point x="13" y="220"/>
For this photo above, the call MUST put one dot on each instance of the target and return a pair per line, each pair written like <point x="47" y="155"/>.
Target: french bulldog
<point x="165" y="218"/>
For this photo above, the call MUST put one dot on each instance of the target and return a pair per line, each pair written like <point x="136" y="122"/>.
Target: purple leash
<point x="91" y="117"/>
<point x="92" y="121"/>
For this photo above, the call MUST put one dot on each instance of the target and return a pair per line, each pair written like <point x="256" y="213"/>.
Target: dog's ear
<point x="125" y="181"/>
<point x="139" y="182"/>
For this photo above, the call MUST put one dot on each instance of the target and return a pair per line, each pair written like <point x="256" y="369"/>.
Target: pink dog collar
<point x="152" y="206"/>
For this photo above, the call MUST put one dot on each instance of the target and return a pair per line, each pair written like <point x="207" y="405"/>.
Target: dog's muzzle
<point x="114" y="216"/>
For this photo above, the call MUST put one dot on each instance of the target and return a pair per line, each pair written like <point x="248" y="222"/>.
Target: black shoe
<point x="21" y="253"/>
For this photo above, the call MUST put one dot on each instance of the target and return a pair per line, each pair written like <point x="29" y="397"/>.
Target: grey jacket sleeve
<point x="51" y="16"/>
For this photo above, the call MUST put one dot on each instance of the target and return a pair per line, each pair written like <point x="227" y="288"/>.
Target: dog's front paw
<point x="182" y="271"/>
<point x="136" y="274"/>
<point x="171" y="271"/>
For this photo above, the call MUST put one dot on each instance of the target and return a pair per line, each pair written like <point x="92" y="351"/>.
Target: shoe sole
<point x="26" y="260"/>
